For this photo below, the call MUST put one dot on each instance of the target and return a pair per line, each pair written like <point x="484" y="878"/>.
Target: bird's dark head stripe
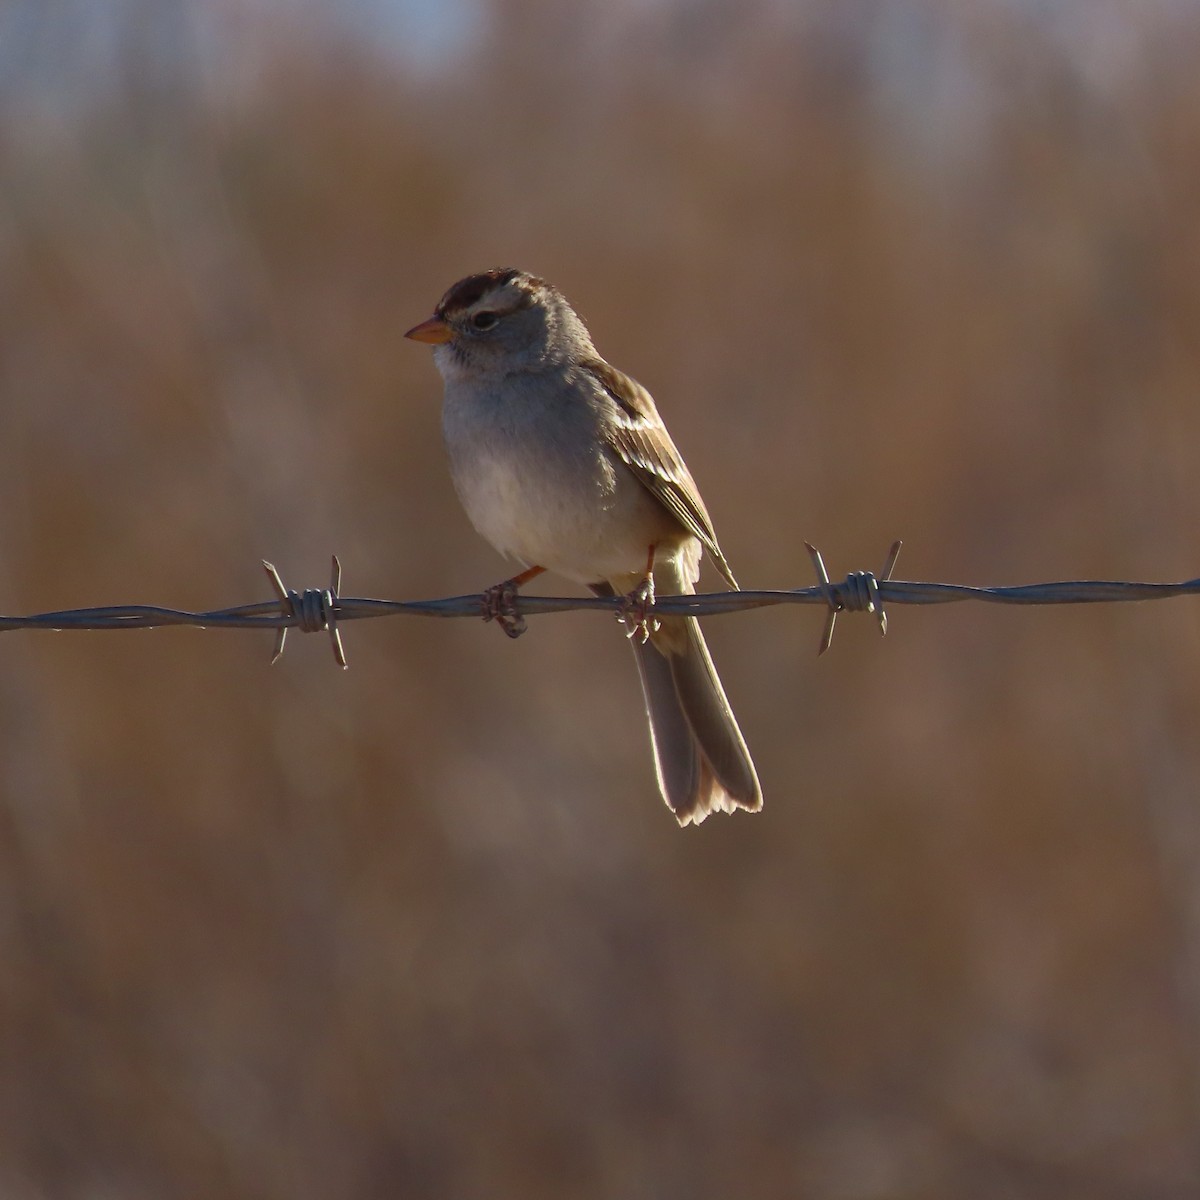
<point x="471" y="290"/>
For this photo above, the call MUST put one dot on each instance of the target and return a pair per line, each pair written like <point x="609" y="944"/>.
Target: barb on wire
<point x="324" y="609"/>
<point x="860" y="592"/>
<point x="313" y="610"/>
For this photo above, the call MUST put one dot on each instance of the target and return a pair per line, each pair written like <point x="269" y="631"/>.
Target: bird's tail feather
<point x="700" y="756"/>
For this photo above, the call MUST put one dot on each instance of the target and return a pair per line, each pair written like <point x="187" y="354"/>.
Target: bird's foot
<point x="635" y="611"/>
<point x="499" y="604"/>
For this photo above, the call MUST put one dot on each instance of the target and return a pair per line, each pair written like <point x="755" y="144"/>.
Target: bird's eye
<point x="484" y="320"/>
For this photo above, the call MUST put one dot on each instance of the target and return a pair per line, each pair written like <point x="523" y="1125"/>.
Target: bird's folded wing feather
<point x="642" y="442"/>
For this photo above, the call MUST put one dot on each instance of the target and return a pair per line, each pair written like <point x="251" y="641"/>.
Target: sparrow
<point x="564" y="464"/>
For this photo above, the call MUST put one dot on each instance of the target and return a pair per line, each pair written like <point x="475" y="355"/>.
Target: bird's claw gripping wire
<point x="499" y="604"/>
<point x="635" y="612"/>
<point x="314" y="609"/>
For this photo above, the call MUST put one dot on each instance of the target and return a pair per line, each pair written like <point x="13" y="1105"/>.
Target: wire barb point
<point x="311" y="611"/>
<point x="859" y="592"/>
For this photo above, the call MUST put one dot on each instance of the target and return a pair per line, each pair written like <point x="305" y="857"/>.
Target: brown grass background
<point x="423" y="929"/>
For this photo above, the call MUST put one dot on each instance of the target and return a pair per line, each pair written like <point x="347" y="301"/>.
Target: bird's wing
<point x="643" y="444"/>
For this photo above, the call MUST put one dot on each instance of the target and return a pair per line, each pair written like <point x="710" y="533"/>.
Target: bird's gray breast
<point x="530" y="468"/>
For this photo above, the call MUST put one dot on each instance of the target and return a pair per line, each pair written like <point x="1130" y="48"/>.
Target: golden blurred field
<point x="423" y="929"/>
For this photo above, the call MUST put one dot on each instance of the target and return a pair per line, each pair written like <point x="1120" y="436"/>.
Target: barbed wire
<point x="317" y="610"/>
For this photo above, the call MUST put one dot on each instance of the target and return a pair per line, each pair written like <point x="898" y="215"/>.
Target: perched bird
<point x="564" y="464"/>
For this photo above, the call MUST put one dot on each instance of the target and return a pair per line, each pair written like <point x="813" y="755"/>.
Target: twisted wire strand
<point x="323" y="609"/>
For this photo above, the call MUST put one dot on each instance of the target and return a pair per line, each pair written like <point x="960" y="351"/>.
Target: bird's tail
<point x="700" y="756"/>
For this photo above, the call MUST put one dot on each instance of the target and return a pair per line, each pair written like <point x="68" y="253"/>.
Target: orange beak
<point x="435" y="331"/>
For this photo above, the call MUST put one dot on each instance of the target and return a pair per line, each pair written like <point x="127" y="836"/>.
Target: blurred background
<point x="906" y="268"/>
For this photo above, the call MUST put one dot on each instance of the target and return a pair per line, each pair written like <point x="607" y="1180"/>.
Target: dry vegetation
<point x="423" y="929"/>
